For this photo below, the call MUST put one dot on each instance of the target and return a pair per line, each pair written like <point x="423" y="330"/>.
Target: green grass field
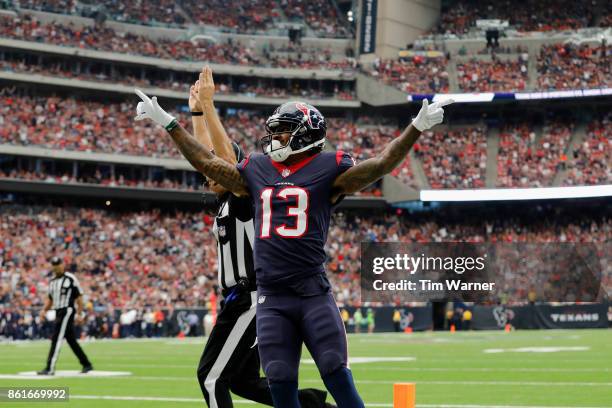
<point x="450" y="370"/>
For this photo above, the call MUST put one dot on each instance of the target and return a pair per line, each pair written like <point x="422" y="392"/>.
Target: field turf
<point x="450" y="370"/>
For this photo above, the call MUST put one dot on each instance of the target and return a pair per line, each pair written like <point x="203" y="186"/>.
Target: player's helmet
<point x="306" y="125"/>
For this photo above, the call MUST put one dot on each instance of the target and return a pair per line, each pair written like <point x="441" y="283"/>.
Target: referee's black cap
<point x="56" y="260"/>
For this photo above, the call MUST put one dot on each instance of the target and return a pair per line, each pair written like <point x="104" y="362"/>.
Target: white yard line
<point x="369" y="404"/>
<point x="386" y="368"/>
<point x="521" y="383"/>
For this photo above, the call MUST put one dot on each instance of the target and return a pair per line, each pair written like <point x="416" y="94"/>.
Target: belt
<point x="243" y="285"/>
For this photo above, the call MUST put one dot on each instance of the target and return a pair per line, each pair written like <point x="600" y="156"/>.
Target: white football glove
<point x="430" y="115"/>
<point x="150" y="109"/>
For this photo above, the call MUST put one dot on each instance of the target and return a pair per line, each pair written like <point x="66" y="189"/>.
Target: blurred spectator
<point x="570" y="66"/>
<point x="266" y="88"/>
<point x="591" y="162"/>
<point x="483" y="76"/>
<point x="320" y="15"/>
<point x="252" y="16"/>
<point x="459" y="16"/>
<point x="525" y="161"/>
<point x="102" y="38"/>
<point x="137" y="267"/>
<point x="417" y="75"/>
<point x="454" y="158"/>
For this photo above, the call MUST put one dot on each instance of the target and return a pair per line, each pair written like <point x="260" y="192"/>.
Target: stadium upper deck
<point x="460" y="16"/>
<point x="321" y="18"/>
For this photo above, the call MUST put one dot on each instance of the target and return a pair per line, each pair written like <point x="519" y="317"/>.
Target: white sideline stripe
<point x="60" y="339"/>
<point x="401" y="369"/>
<point x="522" y="383"/>
<point x="241" y="326"/>
<point x="436" y="369"/>
<point x="369" y="404"/>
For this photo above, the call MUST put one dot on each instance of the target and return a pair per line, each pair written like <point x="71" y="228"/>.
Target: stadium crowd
<point x="71" y="124"/>
<point x="140" y="266"/>
<point x="477" y="75"/>
<point x="459" y="16"/>
<point x="98" y="179"/>
<point x="591" y="162"/>
<point x="253" y="16"/>
<point x="571" y="66"/>
<point x="453" y="159"/>
<point x="456" y="158"/>
<point x="524" y="160"/>
<point x="102" y="38"/>
<point x="320" y="15"/>
<point x="264" y="87"/>
<point x="364" y="139"/>
<point x="416" y="75"/>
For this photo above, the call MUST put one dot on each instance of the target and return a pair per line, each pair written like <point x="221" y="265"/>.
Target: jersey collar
<point x="286" y="171"/>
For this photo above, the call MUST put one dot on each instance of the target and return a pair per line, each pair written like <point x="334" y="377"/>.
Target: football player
<point x="295" y="185"/>
<point x="230" y="360"/>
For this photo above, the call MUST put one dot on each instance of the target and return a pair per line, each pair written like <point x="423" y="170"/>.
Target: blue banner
<point x="367" y="43"/>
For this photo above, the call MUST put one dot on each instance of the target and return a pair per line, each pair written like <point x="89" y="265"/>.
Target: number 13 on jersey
<point x="299" y="211"/>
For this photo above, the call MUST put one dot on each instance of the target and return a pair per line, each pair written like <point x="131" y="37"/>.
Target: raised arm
<point x="195" y="152"/>
<point x="207" y="163"/>
<point x="365" y="173"/>
<point x="221" y="142"/>
<point x="200" y="128"/>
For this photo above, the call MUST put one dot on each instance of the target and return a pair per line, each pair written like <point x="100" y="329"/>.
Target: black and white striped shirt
<point x="64" y="290"/>
<point x="235" y="235"/>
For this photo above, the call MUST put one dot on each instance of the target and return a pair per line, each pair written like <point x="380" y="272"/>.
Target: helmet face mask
<point x="303" y="122"/>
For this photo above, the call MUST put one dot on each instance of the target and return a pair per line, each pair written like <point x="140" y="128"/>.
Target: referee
<point x="64" y="291"/>
<point x="230" y="361"/>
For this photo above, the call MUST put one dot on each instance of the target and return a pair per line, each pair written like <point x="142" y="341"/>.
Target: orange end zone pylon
<point x="404" y="395"/>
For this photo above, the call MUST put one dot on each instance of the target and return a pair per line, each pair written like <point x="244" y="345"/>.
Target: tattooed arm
<point x="195" y="152"/>
<point x="207" y="163"/>
<point x="368" y="171"/>
<point x="365" y="173"/>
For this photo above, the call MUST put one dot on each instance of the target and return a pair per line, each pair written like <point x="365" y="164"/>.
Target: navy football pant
<point x="286" y="321"/>
<point x="230" y="361"/>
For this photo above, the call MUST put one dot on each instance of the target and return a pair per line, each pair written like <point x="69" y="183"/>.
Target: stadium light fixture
<point x="508" y="194"/>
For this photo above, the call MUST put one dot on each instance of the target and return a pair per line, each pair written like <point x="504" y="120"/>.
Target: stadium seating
<point x="96" y="178"/>
<point x="591" y="162"/>
<point x="149" y="259"/>
<point x="70" y="124"/>
<point x="266" y="88"/>
<point x="569" y="66"/>
<point x="498" y="75"/>
<point x="254" y="16"/>
<point x="459" y="16"/>
<point x="320" y="15"/>
<point x="103" y="38"/>
<point x="455" y="158"/>
<point x="417" y="75"/>
<point x="526" y="161"/>
<point x="235" y="15"/>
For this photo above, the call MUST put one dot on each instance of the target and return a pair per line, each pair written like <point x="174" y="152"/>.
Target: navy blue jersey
<point x="292" y="212"/>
